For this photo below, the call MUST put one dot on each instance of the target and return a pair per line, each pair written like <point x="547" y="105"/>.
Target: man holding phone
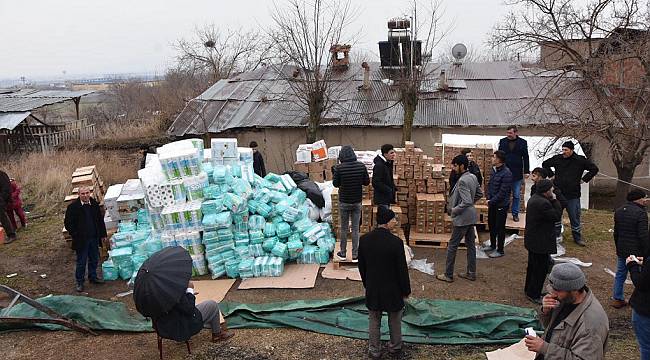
<point x="576" y="325"/>
<point x="640" y="302"/>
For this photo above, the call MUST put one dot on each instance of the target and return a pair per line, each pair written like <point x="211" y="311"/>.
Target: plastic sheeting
<point x="424" y="321"/>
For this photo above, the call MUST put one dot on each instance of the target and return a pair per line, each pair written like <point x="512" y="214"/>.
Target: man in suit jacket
<point x="517" y="161"/>
<point x="186" y="319"/>
<point x="383" y="184"/>
<point x="385" y="277"/>
<point x="85" y="224"/>
<point x="466" y="192"/>
<point x="543" y="212"/>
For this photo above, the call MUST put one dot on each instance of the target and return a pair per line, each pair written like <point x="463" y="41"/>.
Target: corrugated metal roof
<point x="30" y="99"/>
<point x="494" y="95"/>
<point x="9" y="121"/>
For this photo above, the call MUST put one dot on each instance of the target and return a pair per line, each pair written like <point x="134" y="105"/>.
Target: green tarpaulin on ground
<point x="94" y="313"/>
<point x="424" y="321"/>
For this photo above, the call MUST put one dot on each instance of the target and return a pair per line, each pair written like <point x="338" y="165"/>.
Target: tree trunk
<point x="410" y="103"/>
<point x="625" y="173"/>
<point x="312" y="128"/>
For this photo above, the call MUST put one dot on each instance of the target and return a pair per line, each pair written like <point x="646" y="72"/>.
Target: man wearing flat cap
<point x="576" y="325"/>
<point x="385" y="277"/>
<point x="543" y="211"/>
<point x="569" y="173"/>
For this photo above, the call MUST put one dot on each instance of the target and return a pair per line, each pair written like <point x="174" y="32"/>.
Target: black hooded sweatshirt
<point x="350" y="176"/>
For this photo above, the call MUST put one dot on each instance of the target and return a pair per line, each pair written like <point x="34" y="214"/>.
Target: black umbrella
<point x="161" y="281"/>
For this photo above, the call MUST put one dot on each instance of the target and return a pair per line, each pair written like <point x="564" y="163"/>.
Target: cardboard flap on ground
<point x="343" y="273"/>
<point x="212" y="290"/>
<point x="295" y="276"/>
<point x="517" y="351"/>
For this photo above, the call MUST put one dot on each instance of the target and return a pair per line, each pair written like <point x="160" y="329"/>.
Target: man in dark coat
<point x="186" y="319"/>
<point x="85" y="224"/>
<point x="543" y="211"/>
<point x="516" y="150"/>
<point x="540" y="174"/>
<point x="473" y="168"/>
<point x="258" y="160"/>
<point x="5" y="201"/>
<point x="630" y="238"/>
<point x="498" y="196"/>
<point x="349" y="176"/>
<point x="569" y="169"/>
<point x="382" y="177"/>
<point x="640" y="301"/>
<point x="385" y="277"/>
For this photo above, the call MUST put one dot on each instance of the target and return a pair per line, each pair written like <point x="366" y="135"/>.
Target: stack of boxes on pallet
<point x="430" y="214"/>
<point x="318" y="171"/>
<point x="316" y="160"/>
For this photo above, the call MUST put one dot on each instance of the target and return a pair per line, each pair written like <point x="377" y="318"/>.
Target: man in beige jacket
<point x="576" y="325"/>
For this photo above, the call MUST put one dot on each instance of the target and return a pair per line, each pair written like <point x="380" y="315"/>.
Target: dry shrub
<point x="45" y="178"/>
<point x="139" y="129"/>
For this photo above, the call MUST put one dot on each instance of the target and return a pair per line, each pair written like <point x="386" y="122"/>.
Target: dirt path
<point x="40" y="250"/>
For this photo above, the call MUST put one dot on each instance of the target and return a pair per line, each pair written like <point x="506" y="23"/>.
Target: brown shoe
<point x="468" y="276"/>
<point x="618" y="304"/>
<point x="443" y="277"/>
<point x="222" y="336"/>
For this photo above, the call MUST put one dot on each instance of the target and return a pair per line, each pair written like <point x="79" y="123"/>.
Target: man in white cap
<point x="576" y="325"/>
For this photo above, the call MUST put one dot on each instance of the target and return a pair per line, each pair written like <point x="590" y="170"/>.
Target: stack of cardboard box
<point x="318" y="171"/>
<point x="86" y="176"/>
<point x="430" y="214"/>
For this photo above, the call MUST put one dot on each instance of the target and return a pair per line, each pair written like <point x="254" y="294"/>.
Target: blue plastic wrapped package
<point x="258" y="266"/>
<point x="269" y="229"/>
<point x="255" y="250"/>
<point x="209" y="237"/>
<point x="214" y="206"/>
<point x="139" y="248"/>
<point x="263" y="196"/>
<point x="240" y="220"/>
<point x="109" y="271"/>
<point x="326" y="227"/>
<point x="126" y="272"/>
<point x="322" y="256"/>
<point x="246" y="268"/>
<point x="209" y="169"/>
<point x="235" y="203"/>
<point x="236" y="171"/>
<point x="277" y="196"/>
<point x="121" y="255"/>
<point x="199" y="267"/>
<point x="276" y="266"/>
<point x="295" y="237"/>
<point x="281" y="207"/>
<point x="209" y="222"/>
<point x="242" y="188"/>
<point x="223" y="220"/>
<point x="276" y="220"/>
<point x="214" y="259"/>
<point x="252" y="206"/>
<point x="308" y="255"/>
<point x="263" y="209"/>
<point x="143" y="216"/>
<point x="153" y="246"/>
<point x="212" y="192"/>
<point x="313" y="233"/>
<point x="291" y="214"/>
<point x="138" y="260"/>
<point x="242" y="252"/>
<point x="283" y="230"/>
<point x="256" y="222"/>
<point x="217" y="271"/>
<point x="240" y="226"/>
<point x="302" y="225"/>
<point x="225" y="235"/>
<point x="287" y="182"/>
<point x="326" y="243"/>
<point x="280" y="249"/>
<point x="126" y="226"/>
<point x="256" y="236"/>
<point x="232" y="269"/>
<point x="294" y="248"/>
<point x="222" y="175"/>
<point x="269" y="243"/>
<point x="229" y="255"/>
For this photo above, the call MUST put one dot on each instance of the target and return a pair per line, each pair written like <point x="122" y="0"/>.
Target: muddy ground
<point x="41" y="250"/>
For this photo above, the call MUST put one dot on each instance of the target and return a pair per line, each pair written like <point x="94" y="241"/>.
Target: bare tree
<point x="222" y="53"/>
<point x="304" y="33"/>
<point x="597" y="77"/>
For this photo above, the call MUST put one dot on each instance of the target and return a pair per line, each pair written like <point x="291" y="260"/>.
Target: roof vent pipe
<point x="442" y="80"/>
<point x="366" y="75"/>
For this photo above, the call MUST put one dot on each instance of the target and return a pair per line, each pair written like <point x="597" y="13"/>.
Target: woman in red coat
<point x="16" y="205"/>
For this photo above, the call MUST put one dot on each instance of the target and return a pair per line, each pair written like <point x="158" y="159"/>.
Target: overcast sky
<point x="46" y="37"/>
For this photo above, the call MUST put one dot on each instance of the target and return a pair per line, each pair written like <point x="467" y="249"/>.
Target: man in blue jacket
<point x="498" y="196"/>
<point x="516" y="150"/>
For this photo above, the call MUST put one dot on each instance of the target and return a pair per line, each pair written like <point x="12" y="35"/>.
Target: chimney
<point x="442" y="80"/>
<point x="366" y="75"/>
<point x="340" y="56"/>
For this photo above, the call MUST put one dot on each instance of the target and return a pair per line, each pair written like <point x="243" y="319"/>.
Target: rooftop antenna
<point x="459" y="51"/>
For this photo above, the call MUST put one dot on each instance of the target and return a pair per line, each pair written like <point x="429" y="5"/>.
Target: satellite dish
<point x="459" y="51"/>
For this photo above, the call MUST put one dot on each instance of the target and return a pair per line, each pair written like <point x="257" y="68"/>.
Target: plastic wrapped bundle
<point x="313" y="233"/>
<point x="294" y="248"/>
<point x="153" y="246"/>
<point x="252" y="206"/>
<point x="212" y="192"/>
<point x="209" y="169"/>
<point x="326" y="243"/>
<point x="259" y="265"/>
<point x="255" y="250"/>
<point x="302" y="225"/>
<point x="167" y="239"/>
<point x="322" y="256"/>
<point x="223" y="220"/>
<point x="241" y="252"/>
<point x="235" y="203"/>
<point x="138" y="260"/>
<point x="291" y="214"/>
<point x="139" y="248"/>
<point x="269" y="243"/>
<point x="241" y="238"/>
<point x="256" y="222"/>
<point x="269" y="229"/>
<point x="245" y="154"/>
<point x="283" y="230"/>
<point x="126" y="226"/>
<point x="242" y="188"/>
<point x="276" y="220"/>
<point x="232" y="269"/>
<point x="280" y="249"/>
<point x="211" y="207"/>
<point x="229" y="255"/>
<point x="225" y="235"/>
<point x="175" y="193"/>
<point x="308" y="255"/>
<point x="277" y="196"/>
<point x="298" y="196"/>
<point x="109" y="271"/>
<point x="294" y="237"/>
<point x="217" y="271"/>
<point x="222" y="175"/>
<point x="326" y="227"/>
<point x="247" y="172"/>
<point x="126" y="272"/>
<point x="194" y="186"/>
<point x="263" y="209"/>
<point x="256" y="236"/>
<point x="263" y="196"/>
<point x="246" y="268"/>
<point x="198" y="265"/>
<point x="288" y="183"/>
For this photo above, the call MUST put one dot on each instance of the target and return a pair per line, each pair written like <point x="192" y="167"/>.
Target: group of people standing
<point x="10" y="204"/>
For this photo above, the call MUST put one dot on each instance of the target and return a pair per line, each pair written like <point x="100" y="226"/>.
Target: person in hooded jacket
<point x="383" y="184"/>
<point x="258" y="160"/>
<point x="5" y="200"/>
<point x="349" y="176"/>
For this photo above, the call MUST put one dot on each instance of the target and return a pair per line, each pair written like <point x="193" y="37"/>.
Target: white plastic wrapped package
<point x="224" y="148"/>
<point x="222" y="175"/>
<point x="314" y="211"/>
<point x="167" y="239"/>
<point x="194" y="186"/>
<point x="245" y="154"/>
<point x="326" y="212"/>
<point x="199" y="267"/>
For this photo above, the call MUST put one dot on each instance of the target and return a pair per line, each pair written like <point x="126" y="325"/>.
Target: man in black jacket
<point x="349" y="176"/>
<point x="5" y="199"/>
<point x="498" y="197"/>
<point x="630" y="238"/>
<point x="186" y="319"/>
<point x="473" y="168"/>
<point x="540" y="174"/>
<point x="385" y="277"/>
<point x="569" y="170"/>
<point x="640" y="302"/>
<point x="85" y="224"/>
<point x="543" y="211"/>
<point x="258" y="160"/>
<point x="516" y="150"/>
<point x="382" y="177"/>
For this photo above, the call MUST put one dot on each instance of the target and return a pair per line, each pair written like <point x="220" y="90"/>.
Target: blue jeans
<point x="619" y="280"/>
<point x="350" y="212"/>
<point x="88" y="254"/>
<point x="641" y="326"/>
<point x="573" y="209"/>
<point x="516" y="194"/>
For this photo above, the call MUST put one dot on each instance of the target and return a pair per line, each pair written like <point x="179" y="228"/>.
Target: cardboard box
<point x="302" y="167"/>
<point x="317" y="177"/>
<point x="316" y="167"/>
<point x="319" y="150"/>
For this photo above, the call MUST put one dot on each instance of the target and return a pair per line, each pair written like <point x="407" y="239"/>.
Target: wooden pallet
<point x="520" y="226"/>
<point x="348" y="257"/>
<point x="436" y="241"/>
